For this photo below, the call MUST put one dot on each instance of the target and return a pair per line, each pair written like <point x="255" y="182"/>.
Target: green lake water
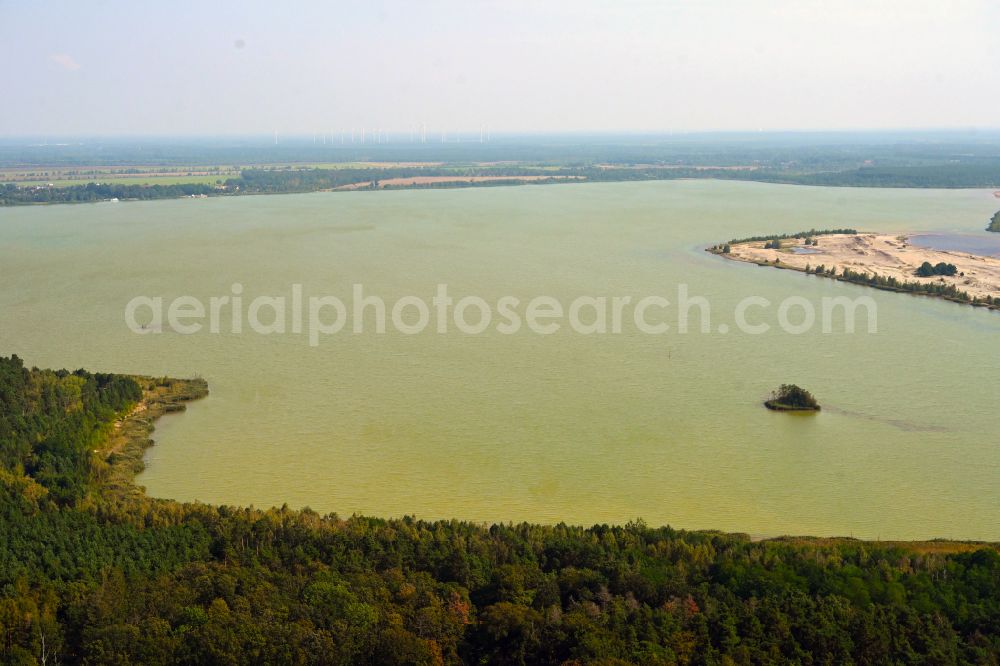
<point x="565" y="427"/>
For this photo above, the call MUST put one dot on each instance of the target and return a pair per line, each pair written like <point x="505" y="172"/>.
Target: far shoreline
<point x="423" y="182"/>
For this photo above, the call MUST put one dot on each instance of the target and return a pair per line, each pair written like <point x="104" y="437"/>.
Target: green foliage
<point x="937" y="288"/>
<point x="791" y="396"/>
<point x="944" y="176"/>
<point x="51" y="420"/>
<point x="770" y="239"/>
<point x="927" y="270"/>
<point x="994" y="222"/>
<point x="11" y="194"/>
<point x="158" y="582"/>
<point x="272" y="181"/>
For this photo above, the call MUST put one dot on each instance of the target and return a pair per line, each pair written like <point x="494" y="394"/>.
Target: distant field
<point x="154" y="175"/>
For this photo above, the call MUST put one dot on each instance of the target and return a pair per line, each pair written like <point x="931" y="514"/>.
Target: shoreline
<point x="463" y="182"/>
<point x="121" y="459"/>
<point x="126" y="447"/>
<point x="882" y="261"/>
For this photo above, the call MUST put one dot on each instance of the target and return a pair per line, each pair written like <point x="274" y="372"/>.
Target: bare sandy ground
<point x="882" y="254"/>
<point x="427" y="180"/>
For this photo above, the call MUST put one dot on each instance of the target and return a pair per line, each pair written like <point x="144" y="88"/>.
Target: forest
<point x="94" y="571"/>
<point x="11" y="194"/>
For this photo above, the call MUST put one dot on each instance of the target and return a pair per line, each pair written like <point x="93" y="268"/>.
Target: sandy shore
<point x="882" y="254"/>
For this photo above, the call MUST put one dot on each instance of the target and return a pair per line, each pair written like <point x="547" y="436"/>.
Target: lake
<point x="527" y="427"/>
<point x="985" y="243"/>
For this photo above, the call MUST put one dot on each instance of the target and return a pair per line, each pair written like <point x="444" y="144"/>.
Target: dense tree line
<point x="802" y="234"/>
<point x="940" y="289"/>
<point x="50" y="422"/>
<point x="942" y="175"/>
<point x="107" y="577"/>
<point x="259" y="181"/>
<point x="11" y="194"/>
<point x="294" y="179"/>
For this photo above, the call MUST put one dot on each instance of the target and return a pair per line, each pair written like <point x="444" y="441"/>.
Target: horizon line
<point x="664" y="133"/>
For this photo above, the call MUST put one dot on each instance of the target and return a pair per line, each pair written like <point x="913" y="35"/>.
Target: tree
<point x="792" y="397"/>
<point x="927" y="270"/>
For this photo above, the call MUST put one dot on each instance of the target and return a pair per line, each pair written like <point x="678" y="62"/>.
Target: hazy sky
<point x="253" y="67"/>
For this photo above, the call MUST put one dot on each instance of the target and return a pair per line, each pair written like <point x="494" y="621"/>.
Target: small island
<point x="994" y="222"/>
<point x="792" y="398"/>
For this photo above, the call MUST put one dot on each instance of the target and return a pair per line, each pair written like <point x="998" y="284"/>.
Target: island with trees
<point x="94" y="571"/>
<point x="994" y="222"/>
<point x="792" y="398"/>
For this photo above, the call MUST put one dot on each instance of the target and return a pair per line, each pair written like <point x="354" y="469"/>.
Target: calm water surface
<point x="986" y="243"/>
<point x="566" y="427"/>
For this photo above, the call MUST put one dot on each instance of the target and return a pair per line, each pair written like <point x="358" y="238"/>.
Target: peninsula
<point x="883" y="261"/>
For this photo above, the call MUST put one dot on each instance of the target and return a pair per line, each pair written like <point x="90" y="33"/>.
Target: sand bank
<point x="886" y="255"/>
